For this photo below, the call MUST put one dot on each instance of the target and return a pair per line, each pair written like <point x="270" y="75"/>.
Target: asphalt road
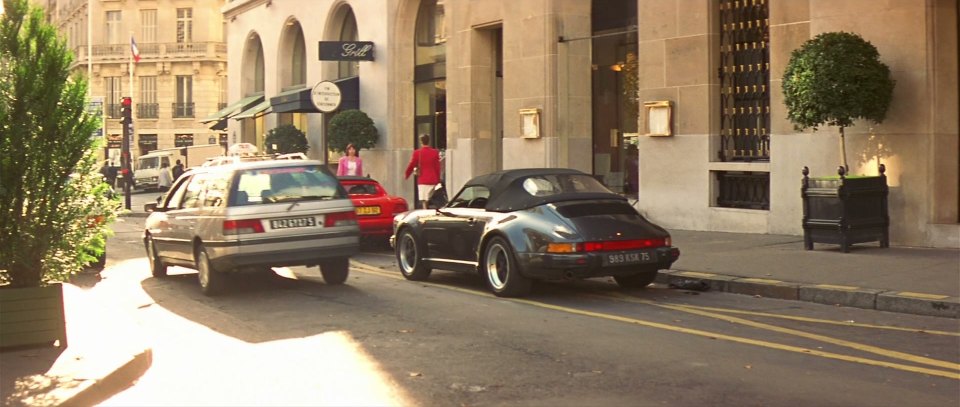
<point x="382" y="340"/>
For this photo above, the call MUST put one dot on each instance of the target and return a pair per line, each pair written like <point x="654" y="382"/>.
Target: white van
<point x="147" y="167"/>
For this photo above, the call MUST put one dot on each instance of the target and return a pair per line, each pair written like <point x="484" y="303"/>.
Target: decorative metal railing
<point x="149" y="51"/>
<point x="743" y="189"/>
<point x="148" y="110"/>
<point x="113" y="110"/>
<point x="182" y="110"/>
<point x="744" y="80"/>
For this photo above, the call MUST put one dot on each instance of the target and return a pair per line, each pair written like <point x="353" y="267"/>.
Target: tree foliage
<point x="287" y="139"/>
<point x="54" y="206"/>
<point x="834" y="79"/>
<point x="352" y="126"/>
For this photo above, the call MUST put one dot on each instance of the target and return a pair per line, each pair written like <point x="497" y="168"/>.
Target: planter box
<point x="845" y="210"/>
<point x="32" y="316"/>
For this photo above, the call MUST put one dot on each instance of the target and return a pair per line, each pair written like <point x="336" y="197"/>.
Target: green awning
<point x="233" y="109"/>
<point x="257" y="110"/>
<point x="294" y="101"/>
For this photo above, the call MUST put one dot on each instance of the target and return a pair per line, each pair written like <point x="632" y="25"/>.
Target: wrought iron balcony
<point x="182" y="110"/>
<point x="113" y="110"/>
<point x="153" y="51"/>
<point x="148" y="110"/>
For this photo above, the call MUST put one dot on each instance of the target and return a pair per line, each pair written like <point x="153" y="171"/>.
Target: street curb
<point x="113" y="382"/>
<point x="134" y="215"/>
<point x="847" y="296"/>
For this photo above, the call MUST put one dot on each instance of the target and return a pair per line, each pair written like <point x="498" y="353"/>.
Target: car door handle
<point x="471" y="221"/>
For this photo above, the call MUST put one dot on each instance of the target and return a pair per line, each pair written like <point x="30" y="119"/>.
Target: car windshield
<point x="285" y="184"/>
<point x="148" y="163"/>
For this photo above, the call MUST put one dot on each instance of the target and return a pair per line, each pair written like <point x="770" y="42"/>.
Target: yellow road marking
<point x="697" y="332"/>
<point x="853" y="345"/>
<point x="694" y="274"/>
<point x="837" y="287"/>
<point x="922" y="295"/>
<point x="759" y="280"/>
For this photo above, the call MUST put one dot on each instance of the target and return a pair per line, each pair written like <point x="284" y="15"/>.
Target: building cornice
<point x="235" y="8"/>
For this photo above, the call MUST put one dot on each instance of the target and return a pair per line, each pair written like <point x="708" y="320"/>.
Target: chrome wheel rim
<point x="408" y="254"/>
<point x="497" y="266"/>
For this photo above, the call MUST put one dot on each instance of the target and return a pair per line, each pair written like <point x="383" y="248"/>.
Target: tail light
<point x="400" y="207"/>
<point x="612" y="245"/>
<point x="236" y="227"/>
<point x="348" y="218"/>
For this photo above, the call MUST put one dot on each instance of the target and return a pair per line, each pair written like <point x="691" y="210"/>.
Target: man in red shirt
<point x="425" y="163"/>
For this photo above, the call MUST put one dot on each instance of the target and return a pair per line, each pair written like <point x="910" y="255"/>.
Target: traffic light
<point x="126" y="110"/>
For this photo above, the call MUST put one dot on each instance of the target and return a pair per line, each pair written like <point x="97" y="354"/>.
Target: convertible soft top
<point x="507" y="191"/>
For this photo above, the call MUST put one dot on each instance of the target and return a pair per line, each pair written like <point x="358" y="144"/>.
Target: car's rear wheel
<point x="211" y="281"/>
<point x="157" y="268"/>
<point x="335" y="271"/>
<point x="502" y="272"/>
<point x="638" y="280"/>
<point x="410" y="258"/>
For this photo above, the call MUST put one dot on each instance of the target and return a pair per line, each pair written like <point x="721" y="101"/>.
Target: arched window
<point x="348" y="32"/>
<point x="299" y="60"/>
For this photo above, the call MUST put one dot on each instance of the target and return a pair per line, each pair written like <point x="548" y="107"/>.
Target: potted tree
<point x="352" y="126"/>
<point x="54" y="204"/>
<point x="834" y="79"/>
<point x="286" y="139"/>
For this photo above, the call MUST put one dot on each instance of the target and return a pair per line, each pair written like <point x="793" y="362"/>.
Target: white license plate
<point x="621" y="258"/>
<point x="290" y="223"/>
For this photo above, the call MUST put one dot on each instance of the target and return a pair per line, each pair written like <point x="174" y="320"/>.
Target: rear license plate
<point x="290" y="223"/>
<point x="368" y="210"/>
<point x="622" y="258"/>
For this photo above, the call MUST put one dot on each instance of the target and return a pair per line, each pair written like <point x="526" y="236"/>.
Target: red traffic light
<point x="126" y="101"/>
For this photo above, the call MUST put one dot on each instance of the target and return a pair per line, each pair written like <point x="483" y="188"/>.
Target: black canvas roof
<point x="507" y="192"/>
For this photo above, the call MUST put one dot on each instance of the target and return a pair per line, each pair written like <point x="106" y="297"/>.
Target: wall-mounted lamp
<point x="530" y="123"/>
<point x="617" y="67"/>
<point x="659" y="118"/>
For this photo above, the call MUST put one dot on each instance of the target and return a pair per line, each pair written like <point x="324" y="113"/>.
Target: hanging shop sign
<point x="326" y="96"/>
<point x="346" y="50"/>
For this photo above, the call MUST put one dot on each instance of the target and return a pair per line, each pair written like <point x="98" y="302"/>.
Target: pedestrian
<point x="164" y="178"/>
<point x="425" y="165"/>
<point x="105" y="171"/>
<point x="350" y="164"/>
<point x="177" y="170"/>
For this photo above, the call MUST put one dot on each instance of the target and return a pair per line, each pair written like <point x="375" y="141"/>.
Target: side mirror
<point x="150" y="207"/>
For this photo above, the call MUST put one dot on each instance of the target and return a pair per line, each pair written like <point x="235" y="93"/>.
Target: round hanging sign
<point x="326" y="96"/>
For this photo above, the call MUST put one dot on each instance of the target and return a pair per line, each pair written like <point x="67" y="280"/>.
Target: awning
<point x="233" y="109"/>
<point x="293" y="101"/>
<point x="298" y="100"/>
<point x="255" y="111"/>
<point x="220" y="125"/>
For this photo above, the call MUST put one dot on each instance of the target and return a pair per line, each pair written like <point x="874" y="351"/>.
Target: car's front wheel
<point x="502" y="272"/>
<point x="211" y="281"/>
<point x="335" y="271"/>
<point x="639" y="280"/>
<point x="157" y="268"/>
<point x="410" y="257"/>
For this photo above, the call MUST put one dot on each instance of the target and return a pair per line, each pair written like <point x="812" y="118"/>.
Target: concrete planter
<point x="32" y="316"/>
<point x="844" y="210"/>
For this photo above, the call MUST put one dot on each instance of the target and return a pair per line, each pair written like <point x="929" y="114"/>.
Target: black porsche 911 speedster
<point x="521" y="225"/>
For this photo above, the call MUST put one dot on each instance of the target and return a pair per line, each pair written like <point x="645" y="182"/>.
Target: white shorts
<point x="424" y="191"/>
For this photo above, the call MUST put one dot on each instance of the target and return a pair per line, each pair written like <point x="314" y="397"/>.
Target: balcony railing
<point x="113" y="110"/>
<point x="743" y="189"/>
<point x="148" y="110"/>
<point x="151" y="51"/>
<point x="182" y="110"/>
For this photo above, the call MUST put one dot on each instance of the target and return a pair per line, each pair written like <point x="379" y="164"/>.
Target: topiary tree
<point x="286" y="139"/>
<point x="55" y="208"/>
<point x="351" y="126"/>
<point x="834" y="79"/>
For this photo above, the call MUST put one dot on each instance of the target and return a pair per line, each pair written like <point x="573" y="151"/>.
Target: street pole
<point x="126" y="121"/>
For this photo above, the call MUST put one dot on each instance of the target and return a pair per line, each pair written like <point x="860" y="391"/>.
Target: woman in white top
<point x="164" y="178"/>
<point x="350" y="164"/>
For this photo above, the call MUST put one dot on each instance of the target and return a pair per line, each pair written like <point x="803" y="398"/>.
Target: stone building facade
<point x="586" y="84"/>
<point x="179" y="79"/>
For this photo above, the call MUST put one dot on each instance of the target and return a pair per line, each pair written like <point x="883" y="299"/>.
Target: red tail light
<point x="340" y="219"/>
<point x="400" y="207"/>
<point x="236" y="227"/>
<point x="615" y="245"/>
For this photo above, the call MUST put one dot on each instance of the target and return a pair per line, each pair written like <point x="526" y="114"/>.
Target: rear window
<point x="596" y="209"/>
<point x="284" y="184"/>
<point x="361" y="189"/>
<point x="546" y="185"/>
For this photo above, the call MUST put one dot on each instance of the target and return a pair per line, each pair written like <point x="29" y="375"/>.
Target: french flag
<point x="134" y="50"/>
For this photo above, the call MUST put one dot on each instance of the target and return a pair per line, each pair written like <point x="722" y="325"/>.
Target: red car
<point x="375" y="208"/>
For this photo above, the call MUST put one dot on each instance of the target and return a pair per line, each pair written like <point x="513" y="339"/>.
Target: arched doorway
<point x="252" y="83"/>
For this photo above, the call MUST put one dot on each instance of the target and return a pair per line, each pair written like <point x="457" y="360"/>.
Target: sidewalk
<point x="899" y="279"/>
<point x="106" y="355"/>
